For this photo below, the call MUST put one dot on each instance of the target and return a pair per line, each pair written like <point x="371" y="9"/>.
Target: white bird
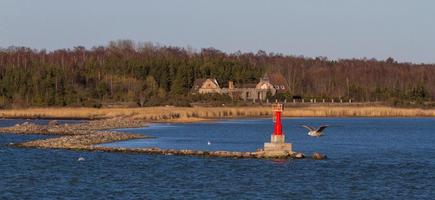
<point x="208" y="143"/>
<point x="81" y="159"/>
<point x="315" y="132"/>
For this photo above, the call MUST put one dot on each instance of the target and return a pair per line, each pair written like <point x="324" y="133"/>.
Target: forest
<point x="146" y="74"/>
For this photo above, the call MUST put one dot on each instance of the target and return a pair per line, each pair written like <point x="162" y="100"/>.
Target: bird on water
<point x="315" y="132"/>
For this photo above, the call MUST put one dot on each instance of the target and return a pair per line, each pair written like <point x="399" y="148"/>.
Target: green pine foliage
<point x="146" y="74"/>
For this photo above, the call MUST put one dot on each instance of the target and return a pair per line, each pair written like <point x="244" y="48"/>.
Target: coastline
<point x="197" y="114"/>
<point x="100" y="125"/>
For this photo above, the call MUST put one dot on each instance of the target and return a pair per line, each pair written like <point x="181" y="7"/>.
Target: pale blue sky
<point x="403" y="29"/>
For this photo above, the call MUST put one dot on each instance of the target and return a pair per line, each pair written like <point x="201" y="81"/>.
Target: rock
<point x="247" y="154"/>
<point x="318" y="156"/>
<point x="299" y="156"/>
<point x="53" y="123"/>
<point x="276" y="154"/>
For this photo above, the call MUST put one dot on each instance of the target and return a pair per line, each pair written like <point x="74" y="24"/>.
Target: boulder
<point x="318" y="156"/>
<point x="53" y="123"/>
<point x="299" y="156"/>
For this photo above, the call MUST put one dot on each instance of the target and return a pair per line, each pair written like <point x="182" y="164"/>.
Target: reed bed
<point x="192" y="114"/>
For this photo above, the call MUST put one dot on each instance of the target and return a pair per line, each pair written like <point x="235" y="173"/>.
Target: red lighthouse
<point x="277" y="109"/>
<point x="277" y="143"/>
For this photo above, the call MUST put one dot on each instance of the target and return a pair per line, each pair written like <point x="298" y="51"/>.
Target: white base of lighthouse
<point x="279" y="139"/>
<point x="277" y="146"/>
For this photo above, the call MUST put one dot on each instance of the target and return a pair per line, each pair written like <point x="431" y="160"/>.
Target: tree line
<point x="146" y="74"/>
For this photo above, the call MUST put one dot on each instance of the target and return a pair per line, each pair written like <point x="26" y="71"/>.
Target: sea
<point x="368" y="158"/>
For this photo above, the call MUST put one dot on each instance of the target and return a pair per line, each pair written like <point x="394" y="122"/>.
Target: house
<point x="277" y="80"/>
<point x="252" y="92"/>
<point x="270" y="84"/>
<point x="206" y="86"/>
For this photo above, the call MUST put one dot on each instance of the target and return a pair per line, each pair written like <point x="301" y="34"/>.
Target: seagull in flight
<point x="315" y="132"/>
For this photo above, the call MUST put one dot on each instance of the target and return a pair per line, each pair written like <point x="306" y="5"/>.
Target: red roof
<point x="278" y="81"/>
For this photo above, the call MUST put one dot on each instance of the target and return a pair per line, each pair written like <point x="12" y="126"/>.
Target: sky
<point x="402" y="29"/>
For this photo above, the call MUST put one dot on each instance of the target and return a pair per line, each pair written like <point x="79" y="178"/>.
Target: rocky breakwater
<point x="80" y="136"/>
<point x="89" y="142"/>
<point x="80" y="142"/>
<point x="25" y="128"/>
<point x="88" y="127"/>
<point x="210" y="154"/>
<point x="86" y="137"/>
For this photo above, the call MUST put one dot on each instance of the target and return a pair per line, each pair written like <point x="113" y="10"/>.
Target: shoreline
<point x="99" y="125"/>
<point x="198" y="114"/>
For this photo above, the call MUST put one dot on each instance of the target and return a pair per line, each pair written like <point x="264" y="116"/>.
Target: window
<point x="282" y="87"/>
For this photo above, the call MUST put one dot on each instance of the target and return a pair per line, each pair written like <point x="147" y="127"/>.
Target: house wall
<point x="257" y="93"/>
<point x="209" y="87"/>
<point x="265" y="85"/>
<point x="248" y="94"/>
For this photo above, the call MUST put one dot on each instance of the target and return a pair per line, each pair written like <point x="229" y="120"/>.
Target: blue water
<point x="369" y="158"/>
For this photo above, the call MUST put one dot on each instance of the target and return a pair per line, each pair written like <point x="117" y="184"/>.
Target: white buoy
<point x="81" y="159"/>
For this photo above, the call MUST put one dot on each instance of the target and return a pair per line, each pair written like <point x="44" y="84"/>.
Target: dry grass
<point x="181" y="114"/>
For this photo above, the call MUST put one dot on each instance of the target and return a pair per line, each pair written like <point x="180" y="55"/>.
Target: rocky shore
<point x="88" y="127"/>
<point x="88" y="135"/>
<point x="82" y="141"/>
